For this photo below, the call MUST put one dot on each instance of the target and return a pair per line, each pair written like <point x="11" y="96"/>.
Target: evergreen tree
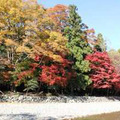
<point x="78" y="47"/>
<point x="100" y="43"/>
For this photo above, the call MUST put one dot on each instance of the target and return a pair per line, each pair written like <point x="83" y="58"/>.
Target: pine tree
<point x="78" y="47"/>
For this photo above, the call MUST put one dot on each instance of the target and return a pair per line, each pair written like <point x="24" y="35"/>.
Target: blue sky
<point x="102" y="15"/>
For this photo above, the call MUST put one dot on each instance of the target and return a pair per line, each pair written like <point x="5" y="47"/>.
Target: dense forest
<point x="52" y="50"/>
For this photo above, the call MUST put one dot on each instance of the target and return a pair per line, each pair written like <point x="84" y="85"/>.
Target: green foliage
<point x="31" y="85"/>
<point x="78" y="47"/>
<point x="20" y="67"/>
<point x="23" y="65"/>
<point x="3" y="49"/>
<point x="26" y="74"/>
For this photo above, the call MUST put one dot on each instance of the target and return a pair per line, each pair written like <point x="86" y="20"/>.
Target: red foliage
<point x="26" y="73"/>
<point x="56" y="73"/>
<point x="51" y="72"/>
<point x="21" y="75"/>
<point x="103" y="74"/>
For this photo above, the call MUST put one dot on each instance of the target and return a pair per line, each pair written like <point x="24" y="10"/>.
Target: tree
<point x="26" y="74"/>
<point x="43" y="70"/>
<point x="5" y="66"/>
<point x="17" y="26"/>
<point x="96" y="42"/>
<point x="59" y="16"/>
<point x="100" y="43"/>
<point x="115" y="59"/>
<point x="53" y="46"/>
<point x="56" y="73"/>
<point x="78" y="47"/>
<point x="103" y="73"/>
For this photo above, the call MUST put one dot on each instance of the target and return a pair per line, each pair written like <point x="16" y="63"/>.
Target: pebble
<point x="55" y="99"/>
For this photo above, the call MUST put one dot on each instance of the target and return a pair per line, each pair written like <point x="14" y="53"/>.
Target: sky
<point x="102" y="15"/>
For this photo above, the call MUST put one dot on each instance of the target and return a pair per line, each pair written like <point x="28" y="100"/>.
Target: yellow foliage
<point x="52" y="46"/>
<point x="21" y="49"/>
<point x="10" y="42"/>
<point x="25" y="22"/>
<point x="57" y="42"/>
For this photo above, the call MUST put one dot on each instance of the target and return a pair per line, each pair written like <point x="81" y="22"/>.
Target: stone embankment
<point x="55" y="99"/>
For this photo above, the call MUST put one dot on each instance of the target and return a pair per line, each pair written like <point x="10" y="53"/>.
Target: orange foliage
<point x="59" y="15"/>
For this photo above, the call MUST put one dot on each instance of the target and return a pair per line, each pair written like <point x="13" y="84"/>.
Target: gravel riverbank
<point x="24" y="107"/>
<point x="54" y="111"/>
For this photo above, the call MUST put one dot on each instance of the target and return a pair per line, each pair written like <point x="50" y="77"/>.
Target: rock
<point x="55" y="99"/>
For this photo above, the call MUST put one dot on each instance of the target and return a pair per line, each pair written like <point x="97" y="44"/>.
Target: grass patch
<point x="109" y="116"/>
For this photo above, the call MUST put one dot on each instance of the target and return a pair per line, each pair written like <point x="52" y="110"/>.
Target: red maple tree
<point x="103" y="74"/>
<point x="56" y="73"/>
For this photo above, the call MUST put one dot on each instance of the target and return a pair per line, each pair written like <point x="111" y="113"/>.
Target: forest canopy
<point x="51" y="49"/>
